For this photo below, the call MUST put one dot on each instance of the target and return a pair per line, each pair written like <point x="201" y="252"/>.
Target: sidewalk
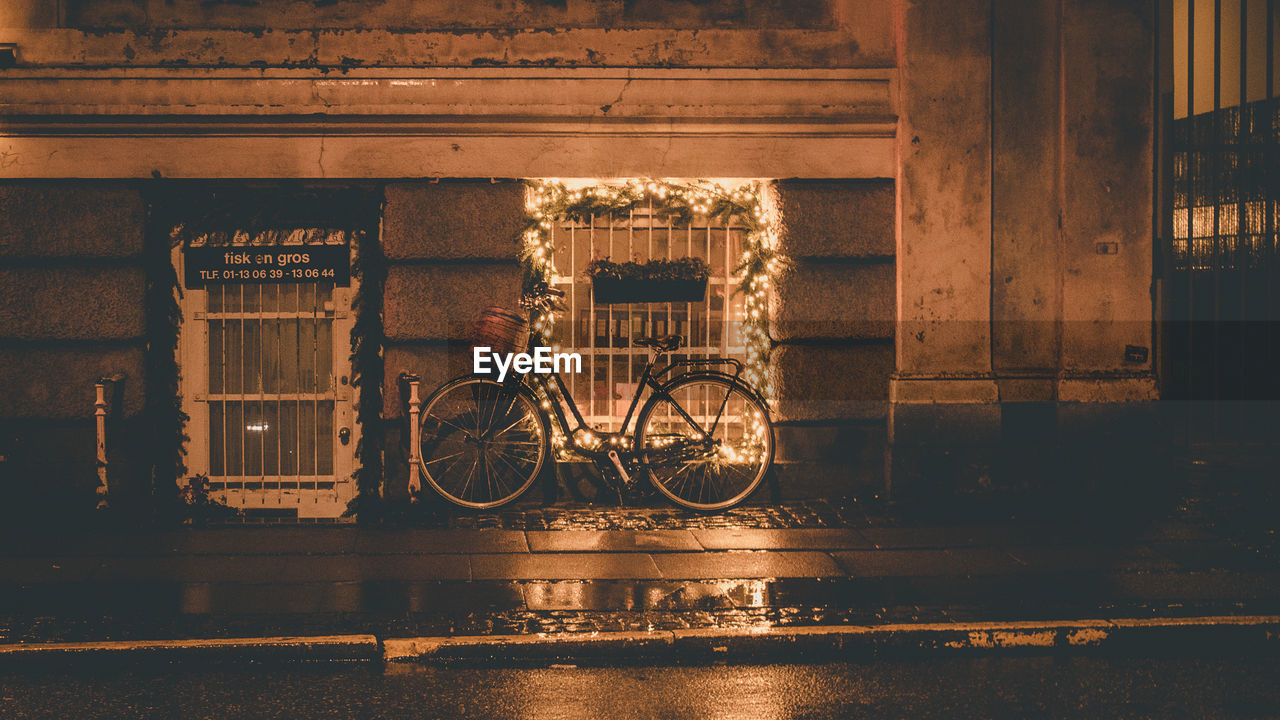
<point x="820" y="564"/>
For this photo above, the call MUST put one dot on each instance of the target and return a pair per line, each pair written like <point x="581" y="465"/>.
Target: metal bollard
<point x="415" y="411"/>
<point x="100" y="415"/>
<point x="100" y="412"/>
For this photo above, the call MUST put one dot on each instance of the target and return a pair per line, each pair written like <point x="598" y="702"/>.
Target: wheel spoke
<point x="722" y="473"/>
<point x="450" y="424"/>
<point x="507" y="443"/>
<point x="446" y="457"/>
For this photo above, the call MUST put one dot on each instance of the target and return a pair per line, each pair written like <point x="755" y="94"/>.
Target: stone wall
<point x="490" y="33"/>
<point x="832" y="317"/>
<point x="451" y="250"/>
<point x="71" y="312"/>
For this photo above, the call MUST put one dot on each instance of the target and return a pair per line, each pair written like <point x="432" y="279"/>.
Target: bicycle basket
<point x="501" y="330"/>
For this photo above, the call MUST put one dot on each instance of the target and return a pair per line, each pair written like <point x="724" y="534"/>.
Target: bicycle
<point x="703" y="438"/>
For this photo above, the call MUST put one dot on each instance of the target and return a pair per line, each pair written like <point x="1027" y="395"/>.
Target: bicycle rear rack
<point x="707" y="362"/>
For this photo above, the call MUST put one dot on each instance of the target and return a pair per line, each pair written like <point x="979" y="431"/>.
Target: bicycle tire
<point x="482" y="443"/>
<point x="743" y="440"/>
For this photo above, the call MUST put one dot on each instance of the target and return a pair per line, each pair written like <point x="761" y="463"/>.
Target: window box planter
<point x="657" y="281"/>
<point x="609" y="291"/>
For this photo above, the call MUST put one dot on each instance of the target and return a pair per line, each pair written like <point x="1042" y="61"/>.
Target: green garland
<point x="367" y="374"/>
<point x="165" y="421"/>
<point x="552" y="201"/>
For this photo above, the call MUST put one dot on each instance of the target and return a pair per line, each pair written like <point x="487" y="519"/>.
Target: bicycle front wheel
<point x="483" y="443"/>
<point x="707" y="442"/>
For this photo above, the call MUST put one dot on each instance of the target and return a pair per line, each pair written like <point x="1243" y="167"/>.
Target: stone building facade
<point x="965" y="194"/>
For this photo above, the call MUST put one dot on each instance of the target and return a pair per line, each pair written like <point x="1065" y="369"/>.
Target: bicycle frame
<point x="648" y="379"/>
<point x="620" y="456"/>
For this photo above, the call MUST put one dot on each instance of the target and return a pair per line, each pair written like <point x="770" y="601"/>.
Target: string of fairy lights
<point x="553" y="201"/>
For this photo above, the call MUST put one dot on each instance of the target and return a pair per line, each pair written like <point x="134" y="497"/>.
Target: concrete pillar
<point x="943" y="396"/>
<point x="1108" y="108"/>
<point x="1109" y="427"/>
<point x="944" y="204"/>
<point x="1024" y="235"/>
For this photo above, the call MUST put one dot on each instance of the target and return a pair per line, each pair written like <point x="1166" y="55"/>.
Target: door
<point x="266" y="370"/>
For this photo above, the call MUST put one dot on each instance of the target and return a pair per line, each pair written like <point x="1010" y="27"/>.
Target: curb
<point x="321" y="648"/>
<point x="1232" y="634"/>
<point x="1196" y="634"/>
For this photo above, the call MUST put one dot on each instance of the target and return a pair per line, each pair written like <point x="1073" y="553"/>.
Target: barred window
<point x="603" y="333"/>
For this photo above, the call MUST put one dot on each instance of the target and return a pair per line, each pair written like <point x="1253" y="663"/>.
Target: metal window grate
<point x="271" y="389"/>
<point x="267" y="363"/>
<point x="603" y="333"/>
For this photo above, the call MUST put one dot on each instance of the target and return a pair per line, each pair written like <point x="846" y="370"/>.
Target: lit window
<point x="604" y="334"/>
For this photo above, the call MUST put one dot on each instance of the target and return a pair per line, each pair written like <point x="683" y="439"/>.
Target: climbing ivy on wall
<point x="165" y="421"/>
<point x="367" y="373"/>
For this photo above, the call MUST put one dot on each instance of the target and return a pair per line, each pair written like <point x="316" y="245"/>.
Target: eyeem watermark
<point x="542" y="361"/>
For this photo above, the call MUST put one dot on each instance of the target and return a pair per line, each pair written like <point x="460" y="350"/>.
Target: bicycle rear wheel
<point x="483" y="443"/>
<point x="717" y="460"/>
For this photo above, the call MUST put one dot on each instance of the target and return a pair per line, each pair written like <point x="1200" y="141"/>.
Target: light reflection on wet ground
<point x="399" y="608"/>
<point x="1086" y="687"/>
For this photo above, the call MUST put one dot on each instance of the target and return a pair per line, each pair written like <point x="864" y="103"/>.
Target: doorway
<point x="266" y="371"/>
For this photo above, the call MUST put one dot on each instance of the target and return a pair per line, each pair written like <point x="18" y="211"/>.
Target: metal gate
<point x="266" y="383"/>
<point x="1221" y="284"/>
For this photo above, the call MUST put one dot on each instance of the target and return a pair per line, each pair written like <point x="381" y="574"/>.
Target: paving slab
<point x="90" y="599"/>
<point x="445" y="598"/>
<point x="1193" y="586"/>
<point x="445" y="540"/>
<point x="925" y="562"/>
<point x="231" y="540"/>
<point x="159" y="568"/>
<point x="320" y="598"/>
<point x="1174" y="530"/>
<point x="192" y="568"/>
<point x="564" y="566"/>
<point x="959" y="536"/>
<point x="136" y="542"/>
<point x="744" y="564"/>
<point x="47" y="569"/>
<point x="376" y="567"/>
<point x="611" y="540"/>
<point x="416" y="567"/>
<point x="1095" y="558"/>
<point x="786" y="539"/>
<point x="1201" y="555"/>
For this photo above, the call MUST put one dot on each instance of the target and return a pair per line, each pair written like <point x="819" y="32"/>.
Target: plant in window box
<point x="660" y="280"/>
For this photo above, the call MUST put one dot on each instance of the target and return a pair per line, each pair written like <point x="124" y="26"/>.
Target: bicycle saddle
<point x="666" y="343"/>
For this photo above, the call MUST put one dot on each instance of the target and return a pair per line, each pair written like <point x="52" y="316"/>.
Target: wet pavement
<point x="579" y="568"/>
<point x="1084" y="687"/>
